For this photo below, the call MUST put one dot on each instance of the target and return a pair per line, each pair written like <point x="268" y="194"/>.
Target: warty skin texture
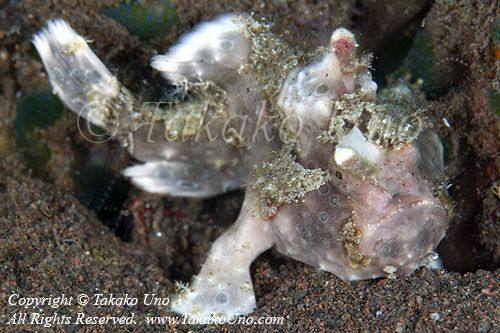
<point x="370" y="202"/>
